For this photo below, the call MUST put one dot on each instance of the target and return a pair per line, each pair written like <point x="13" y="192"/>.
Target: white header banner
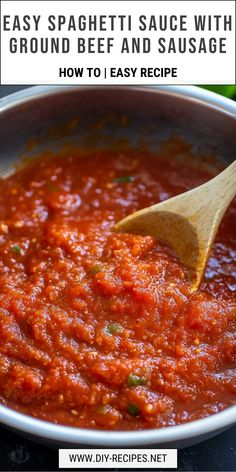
<point x="118" y="42"/>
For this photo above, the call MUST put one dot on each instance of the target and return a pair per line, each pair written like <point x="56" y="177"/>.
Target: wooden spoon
<point x="189" y="222"/>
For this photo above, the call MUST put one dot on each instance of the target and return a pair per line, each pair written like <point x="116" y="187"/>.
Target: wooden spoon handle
<point x="223" y="186"/>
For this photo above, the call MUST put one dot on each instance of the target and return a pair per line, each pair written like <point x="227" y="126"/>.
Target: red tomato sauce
<point x="97" y="329"/>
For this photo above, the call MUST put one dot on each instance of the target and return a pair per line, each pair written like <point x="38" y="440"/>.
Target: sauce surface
<point x="99" y="329"/>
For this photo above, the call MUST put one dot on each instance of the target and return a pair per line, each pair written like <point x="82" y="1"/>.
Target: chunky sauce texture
<point x="98" y="329"/>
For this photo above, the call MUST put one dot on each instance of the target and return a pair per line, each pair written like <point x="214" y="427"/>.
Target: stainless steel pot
<point x="120" y="114"/>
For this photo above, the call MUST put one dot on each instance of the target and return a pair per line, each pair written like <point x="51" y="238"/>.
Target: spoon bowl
<point x="189" y="222"/>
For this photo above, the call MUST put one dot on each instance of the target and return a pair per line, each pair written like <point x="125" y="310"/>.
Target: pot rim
<point x="191" y="92"/>
<point x="72" y="435"/>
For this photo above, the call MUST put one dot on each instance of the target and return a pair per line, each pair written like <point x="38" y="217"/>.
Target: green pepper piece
<point x="16" y="249"/>
<point x="124" y="179"/>
<point x="114" y="328"/>
<point x="134" y="380"/>
<point x="133" y="409"/>
<point x="95" y="269"/>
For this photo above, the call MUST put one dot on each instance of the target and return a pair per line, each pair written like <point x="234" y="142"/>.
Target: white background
<point x="44" y="68"/>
